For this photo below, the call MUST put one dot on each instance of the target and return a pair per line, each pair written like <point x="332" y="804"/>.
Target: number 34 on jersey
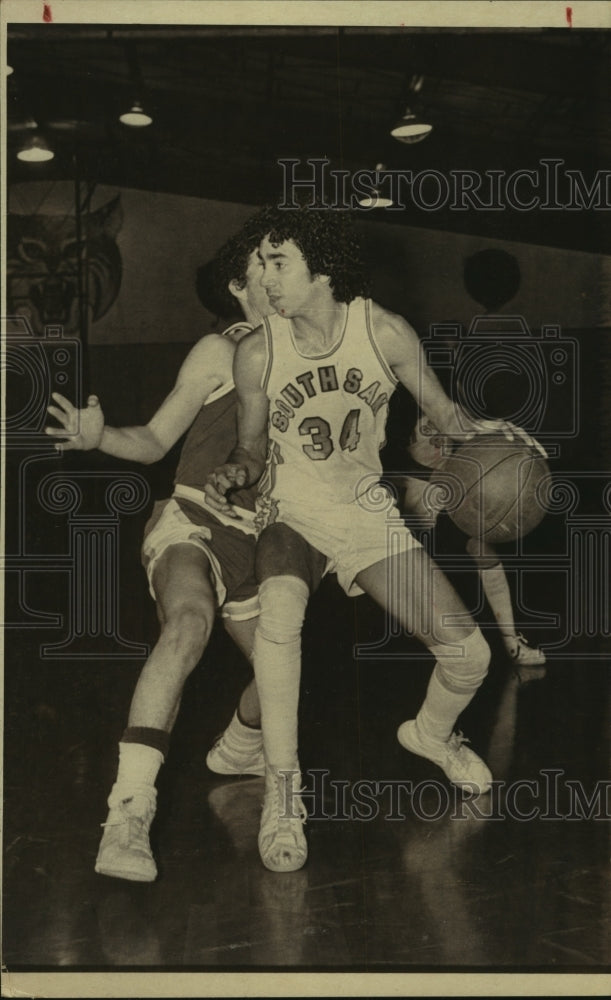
<point x="317" y="429"/>
<point x="320" y="445"/>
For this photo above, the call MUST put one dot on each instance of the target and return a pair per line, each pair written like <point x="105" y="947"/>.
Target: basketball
<point x="492" y="486"/>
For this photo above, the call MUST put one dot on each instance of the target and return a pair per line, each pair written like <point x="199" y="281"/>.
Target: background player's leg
<point x="496" y="588"/>
<point x="186" y="604"/>
<point x="415" y="591"/>
<point x="239" y="748"/>
<point x="243" y="634"/>
<point x="413" y="502"/>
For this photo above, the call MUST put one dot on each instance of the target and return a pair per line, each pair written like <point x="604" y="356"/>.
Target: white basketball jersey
<point x="327" y="413"/>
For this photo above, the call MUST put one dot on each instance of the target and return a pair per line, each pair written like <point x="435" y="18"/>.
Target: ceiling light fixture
<point x="136" y="116"/>
<point x="376" y="199"/>
<point x="35" y="150"/>
<point x="411" y="128"/>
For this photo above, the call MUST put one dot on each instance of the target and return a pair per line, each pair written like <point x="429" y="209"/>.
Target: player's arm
<point x="206" y="367"/>
<point x="403" y="352"/>
<point x="247" y="460"/>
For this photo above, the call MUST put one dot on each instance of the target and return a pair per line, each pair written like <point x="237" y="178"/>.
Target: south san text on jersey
<point x="324" y="379"/>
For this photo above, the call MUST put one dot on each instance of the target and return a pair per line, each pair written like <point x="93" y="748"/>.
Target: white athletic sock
<point x="242" y="733"/>
<point x="138" y="765"/>
<point x="277" y="663"/>
<point x="440" y="709"/>
<point x="454" y="681"/>
<point x="496" y="589"/>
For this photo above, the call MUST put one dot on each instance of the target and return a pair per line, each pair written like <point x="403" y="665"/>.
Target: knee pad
<point x="462" y="668"/>
<point x="283" y="601"/>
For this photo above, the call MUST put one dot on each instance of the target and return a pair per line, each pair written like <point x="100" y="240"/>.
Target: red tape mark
<point x="569" y="16"/>
<point x="47" y="16"/>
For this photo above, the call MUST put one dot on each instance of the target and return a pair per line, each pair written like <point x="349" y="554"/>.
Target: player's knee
<point x="283" y="601"/>
<point x="187" y="630"/>
<point x="281" y="551"/>
<point x="463" y="667"/>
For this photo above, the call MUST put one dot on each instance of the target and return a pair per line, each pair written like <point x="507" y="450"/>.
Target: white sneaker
<point x="522" y="654"/>
<point x="282" y="843"/>
<point x="239" y="750"/>
<point x="460" y="764"/>
<point x="125" y="851"/>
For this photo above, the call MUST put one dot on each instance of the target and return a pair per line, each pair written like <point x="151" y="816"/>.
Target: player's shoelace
<point x="456" y="746"/>
<point x="525" y="654"/>
<point x="463" y="764"/>
<point x="282" y="843"/>
<point x="134" y="826"/>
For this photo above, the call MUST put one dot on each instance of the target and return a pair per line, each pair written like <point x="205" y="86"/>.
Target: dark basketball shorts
<point x="230" y="551"/>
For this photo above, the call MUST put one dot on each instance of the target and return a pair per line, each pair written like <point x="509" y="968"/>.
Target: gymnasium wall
<point x="421" y="276"/>
<point x="163" y="238"/>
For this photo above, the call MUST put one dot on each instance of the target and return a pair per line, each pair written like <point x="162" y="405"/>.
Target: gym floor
<point x="409" y="879"/>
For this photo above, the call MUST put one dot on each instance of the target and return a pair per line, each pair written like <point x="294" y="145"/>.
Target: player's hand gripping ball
<point x="494" y="487"/>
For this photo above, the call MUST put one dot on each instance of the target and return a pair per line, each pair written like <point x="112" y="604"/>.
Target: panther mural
<point x="42" y="265"/>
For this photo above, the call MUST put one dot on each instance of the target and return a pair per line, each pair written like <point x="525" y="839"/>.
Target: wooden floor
<point x="402" y="875"/>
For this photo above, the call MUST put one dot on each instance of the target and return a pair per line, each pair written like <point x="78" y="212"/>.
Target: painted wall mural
<point x="43" y="259"/>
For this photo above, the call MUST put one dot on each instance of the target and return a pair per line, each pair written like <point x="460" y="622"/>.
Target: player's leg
<point x="239" y="748"/>
<point x="416" y="492"/>
<point x="419" y="595"/>
<point x="288" y="570"/>
<point x="186" y="604"/>
<point x="496" y="589"/>
<point x="186" y="607"/>
<point x="243" y="634"/>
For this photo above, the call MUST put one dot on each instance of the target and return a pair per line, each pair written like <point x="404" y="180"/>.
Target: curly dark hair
<point x="228" y="264"/>
<point x="327" y="240"/>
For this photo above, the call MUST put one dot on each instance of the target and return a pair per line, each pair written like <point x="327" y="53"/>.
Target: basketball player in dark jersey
<point x="197" y="561"/>
<point x="492" y="278"/>
<point x="427" y="451"/>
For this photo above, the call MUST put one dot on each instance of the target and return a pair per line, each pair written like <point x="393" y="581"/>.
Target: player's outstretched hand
<point x="225" y="478"/>
<point x="508" y="429"/>
<point x="81" y="430"/>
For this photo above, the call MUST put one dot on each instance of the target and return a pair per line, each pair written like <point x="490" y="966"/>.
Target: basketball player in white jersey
<point x="317" y="377"/>
<point x="197" y="560"/>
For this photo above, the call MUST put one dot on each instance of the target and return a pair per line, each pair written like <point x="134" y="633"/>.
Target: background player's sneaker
<point x="282" y="843"/>
<point x="522" y="654"/>
<point x="460" y="764"/>
<point x="239" y="750"/>
<point x="125" y="851"/>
